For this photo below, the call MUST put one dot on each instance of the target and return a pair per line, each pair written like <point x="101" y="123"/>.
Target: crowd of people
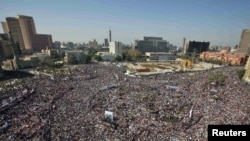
<point x="70" y="104"/>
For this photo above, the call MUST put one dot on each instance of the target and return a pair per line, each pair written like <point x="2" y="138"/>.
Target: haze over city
<point x="220" y="22"/>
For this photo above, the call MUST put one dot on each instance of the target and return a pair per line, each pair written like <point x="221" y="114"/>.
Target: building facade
<point x="106" y="56"/>
<point x="57" y="44"/>
<point x="115" y="48"/>
<point x="160" y="56"/>
<point x="196" y="47"/>
<point x="76" y="54"/>
<point x="244" y="46"/>
<point x="15" y="29"/>
<point x="233" y="59"/>
<point x="42" y="41"/>
<point x="106" y="42"/>
<point x="6" y="51"/>
<point x="93" y="44"/>
<point x="151" y="44"/>
<point x="5" y="27"/>
<point x="23" y="31"/>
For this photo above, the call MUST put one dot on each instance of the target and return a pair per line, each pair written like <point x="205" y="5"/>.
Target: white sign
<point x="109" y="115"/>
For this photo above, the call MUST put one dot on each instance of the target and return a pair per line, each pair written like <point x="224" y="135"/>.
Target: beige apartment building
<point x="23" y="31"/>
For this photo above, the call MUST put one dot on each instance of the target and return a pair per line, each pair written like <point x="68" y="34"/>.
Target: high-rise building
<point x="6" y="51"/>
<point x="184" y="46"/>
<point x="109" y="35"/>
<point x="5" y="27"/>
<point x="197" y="47"/>
<point x="23" y="31"/>
<point x="93" y="44"/>
<point x="2" y="54"/>
<point x="151" y="44"/>
<point x="244" y="46"/>
<point x="135" y="43"/>
<point x="115" y="48"/>
<point x="106" y="42"/>
<point x="57" y="44"/>
<point x="15" y="29"/>
<point x="70" y="44"/>
<point x="184" y="43"/>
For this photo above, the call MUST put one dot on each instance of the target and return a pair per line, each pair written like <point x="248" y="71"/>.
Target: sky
<point x="218" y="21"/>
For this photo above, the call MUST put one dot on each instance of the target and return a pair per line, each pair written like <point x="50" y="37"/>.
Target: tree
<point x="54" y="54"/>
<point x="217" y="77"/>
<point x="98" y="57"/>
<point x="62" y="55"/>
<point x="118" y="58"/>
<point x="126" y="56"/>
<point x="92" y="52"/>
<point x="47" y="61"/>
<point x="241" y="73"/>
<point x="55" y="65"/>
<point x="135" y="54"/>
<point x="36" y="62"/>
<point x="72" y="59"/>
<point x="236" y="46"/>
<point x="86" y="59"/>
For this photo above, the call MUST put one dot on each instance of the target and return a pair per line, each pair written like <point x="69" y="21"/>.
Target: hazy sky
<point x="218" y="21"/>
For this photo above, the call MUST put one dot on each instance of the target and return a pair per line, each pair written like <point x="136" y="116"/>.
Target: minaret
<point x="109" y="35"/>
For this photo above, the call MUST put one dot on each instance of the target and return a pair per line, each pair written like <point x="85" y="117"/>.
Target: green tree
<point x="72" y="59"/>
<point x="98" y="57"/>
<point x="62" y="55"/>
<point x="92" y="52"/>
<point x="241" y="73"/>
<point x="118" y="58"/>
<point x="36" y="62"/>
<point x="126" y="56"/>
<point x="217" y="77"/>
<point x="47" y="61"/>
<point x="54" y="54"/>
<point x="86" y="59"/>
<point x="54" y="65"/>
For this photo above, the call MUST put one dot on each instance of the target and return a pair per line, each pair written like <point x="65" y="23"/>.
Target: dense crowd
<point x="70" y="105"/>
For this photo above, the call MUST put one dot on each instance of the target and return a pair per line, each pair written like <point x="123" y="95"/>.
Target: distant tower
<point x="184" y="46"/>
<point x="184" y="42"/>
<point x="109" y="35"/>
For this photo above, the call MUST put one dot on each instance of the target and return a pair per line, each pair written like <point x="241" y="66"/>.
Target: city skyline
<point x="219" y="22"/>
